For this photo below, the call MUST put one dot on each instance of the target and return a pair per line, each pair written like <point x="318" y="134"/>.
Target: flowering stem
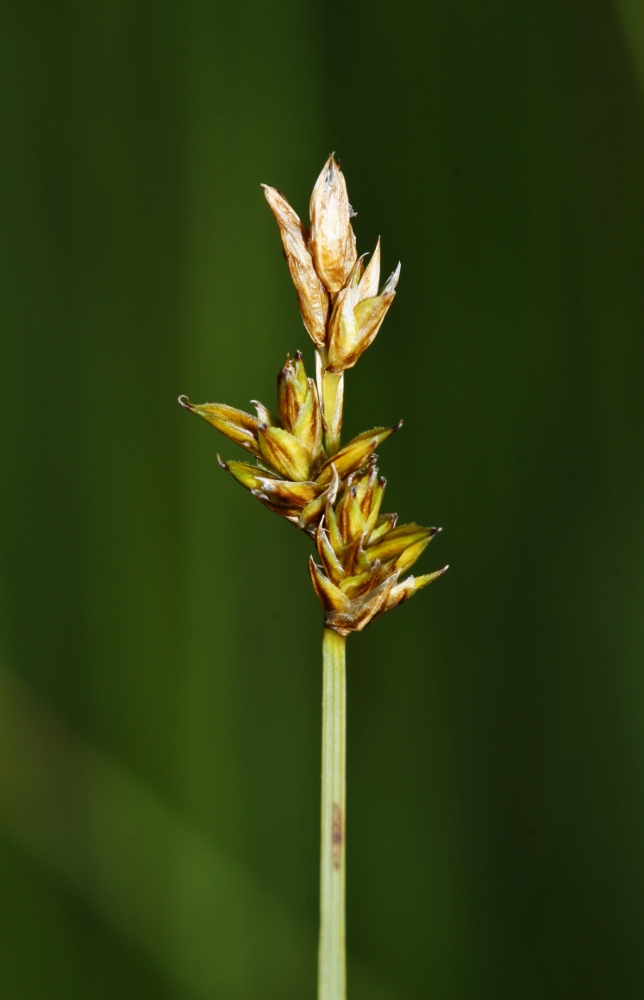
<point x="332" y="961"/>
<point x="331" y="393"/>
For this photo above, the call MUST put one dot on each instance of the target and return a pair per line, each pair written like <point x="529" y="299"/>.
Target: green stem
<point x="331" y="393"/>
<point x="332" y="961"/>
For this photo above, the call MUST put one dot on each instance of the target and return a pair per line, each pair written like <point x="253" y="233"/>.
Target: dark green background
<point x="160" y="672"/>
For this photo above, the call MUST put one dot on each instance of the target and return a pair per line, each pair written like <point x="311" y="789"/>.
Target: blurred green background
<point x="160" y="662"/>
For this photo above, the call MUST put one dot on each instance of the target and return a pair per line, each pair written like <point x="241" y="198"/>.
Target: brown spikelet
<point x="311" y="293"/>
<point x="333" y="243"/>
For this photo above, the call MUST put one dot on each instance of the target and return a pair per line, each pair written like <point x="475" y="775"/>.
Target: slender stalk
<point x="332" y="961"/>
<point x="331" y="394"/>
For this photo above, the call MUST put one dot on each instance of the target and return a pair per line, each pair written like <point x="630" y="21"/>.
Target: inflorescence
<point x="300" y="471"/>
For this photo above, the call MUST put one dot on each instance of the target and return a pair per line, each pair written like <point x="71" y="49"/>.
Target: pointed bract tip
<point x="392" y="281"/>
<point x="298" y="355"/>
<point x="397" y="426"/>
<point x="430" y="577"/>
<point x="224" y="465"/>
<point x="185" y="402"/>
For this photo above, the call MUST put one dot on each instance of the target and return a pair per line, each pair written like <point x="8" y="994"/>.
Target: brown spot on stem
<point x="338" y="836"/>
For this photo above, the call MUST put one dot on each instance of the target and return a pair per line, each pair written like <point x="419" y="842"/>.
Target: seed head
<point x="327" y="260"/>
<point x="362" y="555"/>
<point x="293" y="475"/>
<point x="302" y="473"/>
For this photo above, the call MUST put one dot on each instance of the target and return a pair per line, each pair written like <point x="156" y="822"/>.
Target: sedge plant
<point x="333" y="492"/>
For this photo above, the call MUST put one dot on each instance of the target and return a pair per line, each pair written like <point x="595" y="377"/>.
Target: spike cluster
<point x="293" y="475"/>
<point x="301" y="472"/>
<point x="363" y="553"/>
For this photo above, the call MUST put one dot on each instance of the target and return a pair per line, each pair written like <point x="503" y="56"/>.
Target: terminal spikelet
<point x="339" y="299"/>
